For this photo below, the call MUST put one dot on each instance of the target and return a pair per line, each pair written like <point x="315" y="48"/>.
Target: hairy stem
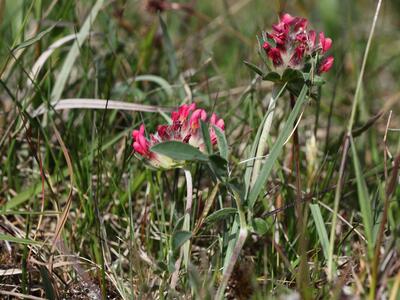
<point x="185" y="250"/>
<point x="302" y="274"/>
<point x="188" y="210"/>
<point x="241" y="239"/>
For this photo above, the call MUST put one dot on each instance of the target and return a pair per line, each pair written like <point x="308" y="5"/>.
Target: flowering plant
<point x="185" y="128"/>
<point x="292" y="45"/>
<point x="293" y="52"/>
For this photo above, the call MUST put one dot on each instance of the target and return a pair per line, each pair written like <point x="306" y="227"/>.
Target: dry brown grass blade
<point x="62" y="220"/>
<point x="100" y="104"/>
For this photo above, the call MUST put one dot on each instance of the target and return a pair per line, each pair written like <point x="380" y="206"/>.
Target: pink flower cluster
<point x="291" y="44"/>
<point x="185" y="128"/>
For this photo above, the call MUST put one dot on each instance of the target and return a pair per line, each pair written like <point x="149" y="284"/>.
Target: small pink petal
<point x="287" y="19"/>
<point x="266" y="46"/>
<point x="275" y="55"/>
<point x="203" y="115"/>
<point x="326" y="65"/>
<point x="221" y="124"/>
<point x="324" y="43"/>
<point x="301" y="24"/>
<point x="312" y="35"/>
<point x="138" y="148"/>
<point x="213" y="119"/>
<point x="143" y="142"/>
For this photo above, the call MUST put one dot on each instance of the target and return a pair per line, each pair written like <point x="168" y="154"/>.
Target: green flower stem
<point x="185" y="250"/>
<point x="240" y="240"/>
<point x="188" y="210"/>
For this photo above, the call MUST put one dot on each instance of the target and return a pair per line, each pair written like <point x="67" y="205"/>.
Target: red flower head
<point x="291" y="44"/>
<point x="185" y="128"/>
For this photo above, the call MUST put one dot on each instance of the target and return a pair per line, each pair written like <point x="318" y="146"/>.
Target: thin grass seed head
<point x="292" y="45"/>
<point x="185" y="128"/>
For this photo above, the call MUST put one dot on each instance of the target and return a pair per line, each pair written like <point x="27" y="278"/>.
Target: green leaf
<point x="291" y="75"/>
<point x="179" y="151"/>
<point x="272" y="76"/>
<point x="206" y="136"/>
<point x="22" y="197"/>
<point x="35" y="39"/>
<point x="179" y="238"/>
<point x="222" y="143"/>
<point x="171" y="262"/>
<point x="253" y="166"/>
<point x="220" y="214"/>
<point x="321" y="229"/>
<point x="277" y="148"/>
<point x="260" y="226"/>
<point x="13" y="239"/>
<point x="47" y="283"/>
<point x="363" y="199"/>
<point x="254" y="68"/>
<point x="218" y="165"/>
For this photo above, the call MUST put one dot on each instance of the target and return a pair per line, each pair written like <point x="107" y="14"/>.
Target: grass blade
<point x="363" y="198"/>
<point x="169" y="49"/>
<point x="45" y="55"/>
<point x="13" y="239"/>
<point x="74" y="52"/>
<point x="321" y="229"/>
<point x="34" y="39"/>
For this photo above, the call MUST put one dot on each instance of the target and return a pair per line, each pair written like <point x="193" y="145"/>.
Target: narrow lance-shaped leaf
<point x="363" y="199"/>
<point x="222" y="143"/>
<point x="251" y="164"/>
<point x="35" y="39"/>
<point x="220" y="214"/>
<point x="179" y="151"/>
<point x="206" y="136"/>
<point x="254" y="68"/>
<point x="277" y="148"/>
<point x="321" y="229"/>
<point x="179" y="238"/>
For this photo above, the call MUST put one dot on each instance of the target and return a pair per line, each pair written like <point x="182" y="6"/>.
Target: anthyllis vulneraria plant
<point x="190" y="137"/>
<point x="295" y="57"/>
